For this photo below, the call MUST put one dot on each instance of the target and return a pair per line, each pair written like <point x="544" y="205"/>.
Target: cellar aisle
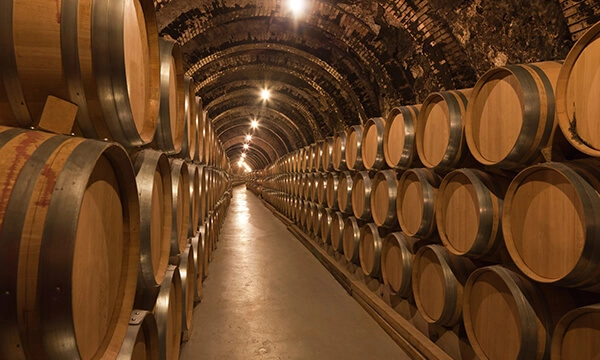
<point x="267" y="297"/>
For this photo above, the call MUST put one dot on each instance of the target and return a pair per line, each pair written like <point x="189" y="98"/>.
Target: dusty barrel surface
<point x="577" y="91"/>
<point x="372" y="144"/>
<point x="154" y="190"/>
<point x="344" y="197"/>
<point x="397" y="262"/>
<point x="511" y="111"/>
<point x="69" y="231"/>
<point x="354" y="136"/>
<point x="169" y="312"/>
<point x="438" y="280"/>
<point x="506" y="316"/>
<point x="337" y="231"/>
<point x="112" y="76"/>
<point x="351" y="239"/>
<point x="369" y="250"/>
<point x="338" y="153"/>
<point x="361" y="195"/>
<point x="169" y="131"/>
<point x="383" y="198"/>
<point x="577" y="334"/>
<point x="552" y="209"/>
<point x="141" y="341"/>
<point x="415" y="201"/>
<point x="440" y="129"/>
<point x="469" y="212"/>
<point x="180" y="214"/>
<point x="399" y="146"/>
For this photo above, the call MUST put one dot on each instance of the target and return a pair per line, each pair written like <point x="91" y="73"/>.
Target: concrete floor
<point x="267" y="297"/>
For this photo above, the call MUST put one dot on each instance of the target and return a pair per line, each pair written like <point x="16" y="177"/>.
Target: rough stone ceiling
<point x="342" y="62"/>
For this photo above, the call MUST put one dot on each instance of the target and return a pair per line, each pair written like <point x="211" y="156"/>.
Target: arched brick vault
<point x="345" y="61"/>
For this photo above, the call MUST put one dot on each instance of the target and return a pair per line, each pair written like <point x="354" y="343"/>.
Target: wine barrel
<point x="372" y="144"/>
<point x="194" y="194"/>
<point x="314" y="156"/>
<point x="69" y="210"/>
<point x="510" y="116"/>
<point x="576" y="92"/>
<point x="354" y="135"/>
<point x="397" y="262"/>
<point x="201" y="119"/>
<point x="321" y="179"/>
<point x="169" y="131"/>
<point x="180" y="214"/>
<point x="326" y="155"/>
<point x="103" y="58"/>
<point x="469" y="211"/>
<point x="154" y="188"/>
<point x="338" y="153"/>
<point x="344" y="197"/>
<point x="336" y="236"/>
<point x="190" y="128"/>
<point x="202" y="193"/>
<point x="507" y="316"/>
<point x="325" y="230"/>
<point x="197" y="243"/>
<point x="351" y="239"/>
<point x="438" y="279"/>
<point x="331" y="191"/>
<point x="383" y="198"/>
<point x="189" y="278"/>
<point x="415" y="202"/>
<point x="577" y="334"/>
<point x="399" y="147"/>
<point x="304" y="154"/>
<point x="361" y="195"/>
<point x="141" y="341"/>
<point x="440" y="130"/>
<point x="551" y="209"/>
<point x="369" y="250"/>
<point x="315" y="227"/>
<point x="168" y="313"/>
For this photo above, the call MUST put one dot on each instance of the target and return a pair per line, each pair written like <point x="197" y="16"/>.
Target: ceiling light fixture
<point x="246" y="146"/>
<point x="297" y="7"/>
<point x="248" y="137"/>
<point x="254" y="124"/>
<point x="265" y="94"/>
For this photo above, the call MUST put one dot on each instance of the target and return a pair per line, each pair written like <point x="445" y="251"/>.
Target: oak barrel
<point x="507" y="316"/>
<point x="102" y="57"/>
<point x="511" y="111"/>
<point x="361" y="195"/>
<point x="336" y="236"/>
<point x="344" y="197"/>
<point x="141" y="341"/>
<point x="468" y="212"/>
<point x="189" y="279"/>
<point x="326" y="154"/>
<point x="69" y="233"/>
<point x="369" y="250"/>
<point x="331" y="191"/>
<point x="180" y="214"/>
<point x="321" y="180"/>
<point x="168" y="312"/>
<point x="351" y="239"/>
<point x="397" y="262"/>
<point x="338" y="153"/>
<point x="325" y="226"/>
<point x="440" y="135"/>
<point x="438" y="279"/>
<point x="415" y="201"/>
<point x="189" y="146"/>
<point x="399" y="146"/>
<point x="577" y="91"/>
<point x="153" y="178"/>
<point x="383" y="198"/>
<point x="577" y="334"/>
<point x="197" y="243"/>
<point x="551" y="209"/>
<point x="194" y="193"/>
<point x="354" y="136"/>
<point x="372" y="144"/>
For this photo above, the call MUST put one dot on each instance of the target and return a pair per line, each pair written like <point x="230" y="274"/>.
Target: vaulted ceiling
<point x="341" y="62"/>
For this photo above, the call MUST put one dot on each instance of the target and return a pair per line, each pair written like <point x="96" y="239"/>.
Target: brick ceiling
<point x="342" y="62"/>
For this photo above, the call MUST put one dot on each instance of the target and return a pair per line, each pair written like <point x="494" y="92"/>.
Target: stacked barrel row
<point x="114" y="183"/>
<point x="472" y="206"/>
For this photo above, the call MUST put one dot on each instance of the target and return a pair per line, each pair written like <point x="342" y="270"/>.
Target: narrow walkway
<point x="267" y="297"/>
